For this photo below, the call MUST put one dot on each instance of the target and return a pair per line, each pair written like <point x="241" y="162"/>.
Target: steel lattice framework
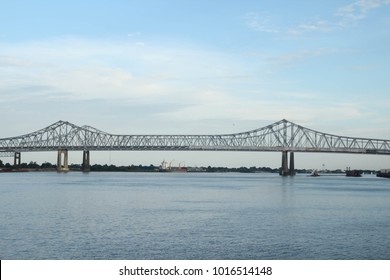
<point x="279" y="136"/>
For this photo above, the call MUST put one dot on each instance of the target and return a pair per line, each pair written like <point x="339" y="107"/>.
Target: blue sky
<point x="198" y="67"/>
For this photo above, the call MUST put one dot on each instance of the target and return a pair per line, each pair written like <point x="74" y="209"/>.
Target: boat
<point x="385" y="173"/>
<point x="179" y="169"/>
<point x="314" y="173"/>
<point x="164" y="167"/>
<point x="167" y="167"/>
<point x="353" y="173"/>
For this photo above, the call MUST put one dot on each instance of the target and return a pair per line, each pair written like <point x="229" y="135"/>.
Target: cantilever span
<point x="284" y="136"/>
<point x="279" y="136"/>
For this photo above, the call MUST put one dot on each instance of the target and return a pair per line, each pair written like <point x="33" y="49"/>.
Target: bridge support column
<point x="62" y="167"/>
<point x="17" y="159"/>
<point x="292" y="164"/>
<point x="285" y="170"/>
<point x="86" y="167"/>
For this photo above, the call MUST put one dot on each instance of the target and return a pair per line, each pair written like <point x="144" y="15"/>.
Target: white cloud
<point x="343" y="17"/>
<point x="155" y="88"/>
<point x="66" y="77"/>
<point x="95" y="69"/>
<point x="357" y="10"/>
<point x="317" y="25"/>
<point x="260" y="22"/>
<point x="292" y="58"/>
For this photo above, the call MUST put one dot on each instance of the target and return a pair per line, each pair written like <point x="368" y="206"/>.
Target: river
<point x="97" y="215"/>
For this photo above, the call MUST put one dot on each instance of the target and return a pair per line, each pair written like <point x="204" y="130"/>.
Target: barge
<point x="385" y="173"/>
<point x="353" y="173"/>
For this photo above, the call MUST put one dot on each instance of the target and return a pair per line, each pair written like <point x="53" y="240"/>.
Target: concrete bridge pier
<point x="86" y="166"/>
<point x="292" y="164"/>
<point x="62" y="160"/>
<point x="285" y="170"/>
<point x="17" y="159"/>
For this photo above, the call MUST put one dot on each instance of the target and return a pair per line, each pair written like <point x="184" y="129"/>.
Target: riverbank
<point x="47" y="167"/>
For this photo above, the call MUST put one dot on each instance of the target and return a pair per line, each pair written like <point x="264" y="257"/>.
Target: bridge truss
<point x="284" y="136"/>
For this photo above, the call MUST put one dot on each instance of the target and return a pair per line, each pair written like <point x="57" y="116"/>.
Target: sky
<point x="197" y="67"/>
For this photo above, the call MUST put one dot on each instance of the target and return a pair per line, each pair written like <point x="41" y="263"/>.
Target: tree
<point x="47" y="165"/>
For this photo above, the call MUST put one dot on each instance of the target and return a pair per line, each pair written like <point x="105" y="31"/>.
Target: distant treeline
<point x="47" y="166"/>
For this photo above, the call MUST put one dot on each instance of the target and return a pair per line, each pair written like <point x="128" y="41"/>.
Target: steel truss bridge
<point x="283" y="136"/>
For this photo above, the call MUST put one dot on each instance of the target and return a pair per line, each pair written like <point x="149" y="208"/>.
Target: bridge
<point x="282" y="136"/>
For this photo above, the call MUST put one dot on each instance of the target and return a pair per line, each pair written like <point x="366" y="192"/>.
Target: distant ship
<point x="179" y="169"/>
<point x="353" y="173"/>
<point x="383" y="173"/>
<point x="166" y="167"/>
<point x="314" y="173"/>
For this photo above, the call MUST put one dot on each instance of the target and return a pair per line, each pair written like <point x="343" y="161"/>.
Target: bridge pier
<point x="292" y="164"/>
<point x="285" y="170"/>
<point x="62" y="167"/>
<point x="86" y="166"/>
<point x="17" y="159"/>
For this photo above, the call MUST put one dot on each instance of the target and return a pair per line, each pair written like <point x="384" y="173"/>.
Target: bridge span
<point x="282" y="136"/>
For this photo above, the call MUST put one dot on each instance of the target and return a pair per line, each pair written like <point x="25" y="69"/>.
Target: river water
<point x="48" y="215"/>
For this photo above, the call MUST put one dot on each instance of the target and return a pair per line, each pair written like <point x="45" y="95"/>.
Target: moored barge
<point x="383" y="173"/>
<point x="353" y="173"/>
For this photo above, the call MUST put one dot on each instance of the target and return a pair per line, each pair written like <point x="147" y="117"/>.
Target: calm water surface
<point x="193" y="216"/>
